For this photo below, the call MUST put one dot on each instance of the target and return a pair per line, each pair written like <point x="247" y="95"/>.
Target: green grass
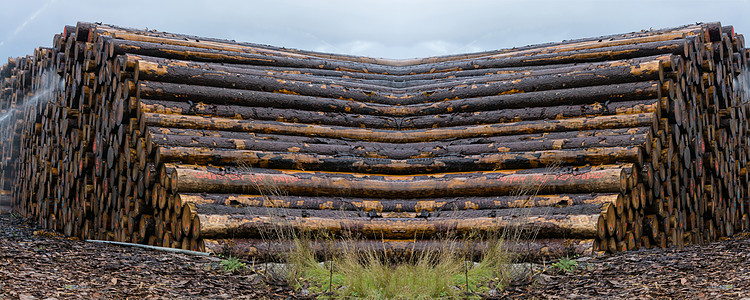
<point x="436" y="273"/>
<point x="232" y="264"/>
<point x="371" y="277"/>
<point x="565" y="264"/>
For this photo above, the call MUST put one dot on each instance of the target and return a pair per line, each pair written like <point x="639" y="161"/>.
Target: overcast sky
<point x="382" y="28"/>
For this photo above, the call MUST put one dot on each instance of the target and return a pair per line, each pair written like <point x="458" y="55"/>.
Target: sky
<point x="382" y="28"/>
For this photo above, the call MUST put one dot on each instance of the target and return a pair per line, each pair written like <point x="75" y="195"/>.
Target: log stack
<point x="610" y="143"/>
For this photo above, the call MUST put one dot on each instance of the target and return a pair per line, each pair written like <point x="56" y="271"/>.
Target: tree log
<point x="608" y="137"/>
<point x="347" y="163"/>
<point x="420" y="135"/>
<point x="599" y="179"/>
<point x="207" y="226"/>
<point x="396" y="205"/>
<point x="399" y="123"/>
<point x="567" y="45"/>
<point x="464" y="147"/>
<point x="177" y="72"/>
<point x="119" y="47"/>
<point x="574" y="96"/>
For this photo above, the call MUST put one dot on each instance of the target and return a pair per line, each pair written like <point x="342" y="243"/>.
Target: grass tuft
<point x="232" y="264"/>
<point x="565" y="264"/>
<point x="365" y="273"/>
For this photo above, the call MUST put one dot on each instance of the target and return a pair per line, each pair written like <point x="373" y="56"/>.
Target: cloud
<point x="30" y="18"/>
<point x="379" y="28"/>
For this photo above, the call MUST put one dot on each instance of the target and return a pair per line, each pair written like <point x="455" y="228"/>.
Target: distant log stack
<point x="608" y="144"/>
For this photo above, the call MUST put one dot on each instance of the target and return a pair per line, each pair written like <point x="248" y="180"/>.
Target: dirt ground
<point x="719" y="270"/>
<point x="38" y="265"/>
<point x="35" y="264"/>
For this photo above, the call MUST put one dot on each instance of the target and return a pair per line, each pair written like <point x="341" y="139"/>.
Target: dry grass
<point x="443" y="272"/>
<point x="446" y="271"/>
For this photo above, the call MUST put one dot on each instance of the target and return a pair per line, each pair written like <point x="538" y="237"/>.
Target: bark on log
<point x="575" y="96"/>
<point x="347" y="163"/>
<point x="399" y="123"/>
<point x="602" y="179"/>
<point x="608" y="137"/>
<point x="549" y="225"/>
<point x="381" y="82"/>
<point x="412" y="136"/>
<point x="568" y="45"/>
<point x="119" y="47"/>
<point x="177" y="72"/>
<point x="396" y="205"/>
<point x="499" y="144"/>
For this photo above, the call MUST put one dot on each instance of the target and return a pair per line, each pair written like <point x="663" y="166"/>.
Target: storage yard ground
<point x="32" y="262"/>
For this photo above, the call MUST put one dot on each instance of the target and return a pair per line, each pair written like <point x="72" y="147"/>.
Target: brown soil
<point x="36" y="264"/>
<point x="719" y="270"/>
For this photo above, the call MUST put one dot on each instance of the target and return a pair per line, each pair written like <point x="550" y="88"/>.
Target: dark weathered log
<point x="575" y="96"/>
<point x="269" y="113"/>
<point x="603" y="179"/>
<point x="397" y="205"/>
<point x="499" y="144"/>
<point x="568" y="45"/>
<point x="531" y="113"/>
<point x="384" y="122"/>
<point x="177" y="72"/>
<point x="414" y="80"/>
<point x="607" y="137"/>
<point x="220" y="56"/>
<point x="346" y="163"/>
<point x="386" y="82"/>
<point x="420" y="135"/>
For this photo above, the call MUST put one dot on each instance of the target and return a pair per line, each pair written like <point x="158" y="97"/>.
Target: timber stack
<point x="610" y="143"/>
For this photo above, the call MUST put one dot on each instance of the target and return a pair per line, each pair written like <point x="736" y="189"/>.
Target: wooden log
<point x="603" y="179"/>
<point x="396" y="205"/>
<point x="414" y="80"/>
<point x="548" y="225"/>
<point x="385" y="122"/>
<point x="346" y="163"/>
<point x="377" y="135"/>
<point x="177" y="72"/>
<point x="568" y="45"/>
<point x="382" y="82"/>
<point x="574" y="96"/>
<point x="608" y="138"/>
<point x="119" y="47"/>
<point x="472" y="146"/>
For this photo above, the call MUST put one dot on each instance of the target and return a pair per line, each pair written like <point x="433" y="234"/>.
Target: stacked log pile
<point x="608" y="144"/>
<point x="15" y="84"/>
